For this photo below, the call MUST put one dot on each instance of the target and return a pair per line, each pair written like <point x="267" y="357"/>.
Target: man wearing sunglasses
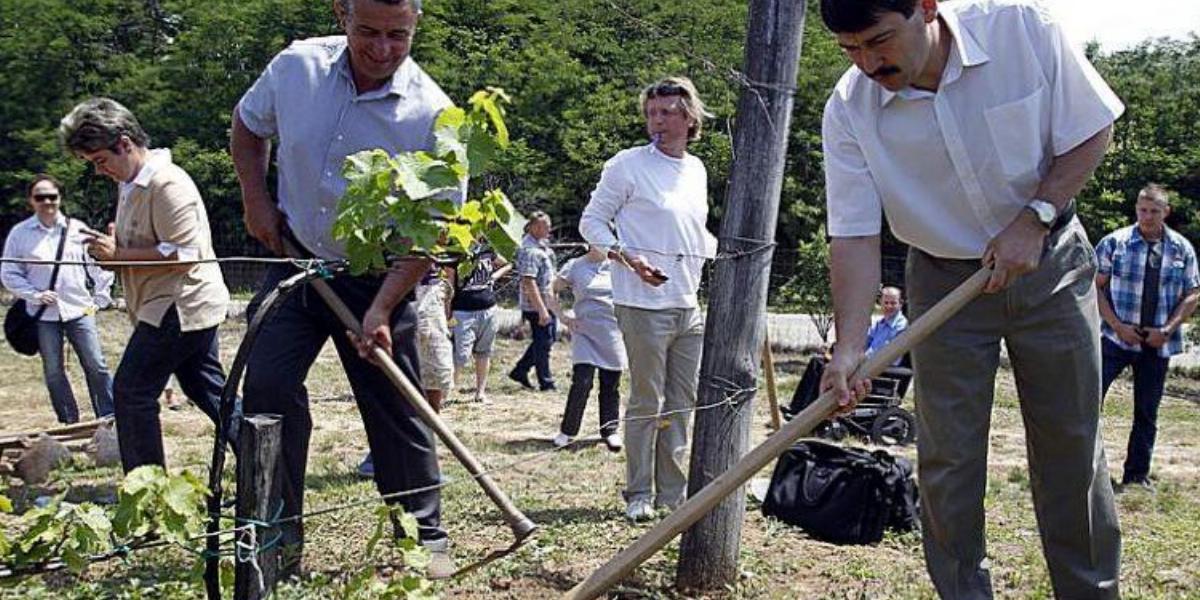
<point x="66" y="309"/>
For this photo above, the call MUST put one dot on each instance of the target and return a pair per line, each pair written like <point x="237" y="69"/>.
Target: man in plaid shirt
<point x="1148" y="286"/>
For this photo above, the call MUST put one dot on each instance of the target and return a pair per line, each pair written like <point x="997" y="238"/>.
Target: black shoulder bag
<point x="842" y="495"/>
<point x="20" y="329"/>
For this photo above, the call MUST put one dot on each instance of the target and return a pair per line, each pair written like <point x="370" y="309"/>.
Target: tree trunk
<point x="734" y="329"/>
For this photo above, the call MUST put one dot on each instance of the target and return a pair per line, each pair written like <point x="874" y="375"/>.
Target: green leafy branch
<point x="404" y="204"/>
<point x="371" y="582"/>
<point x="151" y="505"/>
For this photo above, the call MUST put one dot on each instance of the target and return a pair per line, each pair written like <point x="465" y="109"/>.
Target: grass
<point x="575" y="496"/>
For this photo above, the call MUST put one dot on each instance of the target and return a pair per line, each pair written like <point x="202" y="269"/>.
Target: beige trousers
<point x="664" y="348"/>
<point x="1049" y="322"/>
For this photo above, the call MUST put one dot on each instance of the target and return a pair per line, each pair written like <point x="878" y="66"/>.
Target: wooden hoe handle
<point x="522" y="526"/>
<point x="699" y="505"/>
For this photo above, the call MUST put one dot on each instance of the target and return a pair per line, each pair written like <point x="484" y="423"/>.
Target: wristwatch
<point x="1044" y="211"/>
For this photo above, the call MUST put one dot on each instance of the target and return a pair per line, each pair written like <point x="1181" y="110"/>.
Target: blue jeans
<point x="84" y="339"/>
<point x="152" y="355"/>
<point x="537" y="355"/>
<point x="1149" y="376"/>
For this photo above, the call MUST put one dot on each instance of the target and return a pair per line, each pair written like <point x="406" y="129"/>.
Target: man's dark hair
<point x="853" y="16"/>
<point x="40" y="177"/>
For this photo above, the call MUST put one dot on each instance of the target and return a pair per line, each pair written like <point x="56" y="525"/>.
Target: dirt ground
<point x="574" y="495"/>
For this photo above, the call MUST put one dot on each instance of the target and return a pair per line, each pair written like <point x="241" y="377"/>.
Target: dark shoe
<point x="548" y="387"/>
<point x="1138" y="483"/>
<point x="521" y="378"/>
<point x="366" y="469"/>
<point x="441" y="564"/>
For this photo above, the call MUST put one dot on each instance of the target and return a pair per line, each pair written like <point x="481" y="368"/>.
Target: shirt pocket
<point x="1174" y="274"/>
<point x="1123" y="266"/>
<point x="1017" y="130"/>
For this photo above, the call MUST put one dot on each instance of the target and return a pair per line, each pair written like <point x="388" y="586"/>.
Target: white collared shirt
<point x="951" y="169"/>
<point x="31" y="239"/>
<point x="659" y="205"/>
<point x="154" y="161"/>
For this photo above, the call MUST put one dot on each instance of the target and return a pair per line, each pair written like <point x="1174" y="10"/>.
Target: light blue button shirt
<point x="306" y="97"/>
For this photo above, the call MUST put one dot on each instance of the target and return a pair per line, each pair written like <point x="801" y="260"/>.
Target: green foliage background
<point x="572" y="67"/>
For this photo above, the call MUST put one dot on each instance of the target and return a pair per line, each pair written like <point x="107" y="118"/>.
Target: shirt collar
<point x="1136" y="236"/>
<point x="155" y="160"/>
<point x="396" y="86"/>
<point x="965" y="52"/>
<point x="59" y="221"/>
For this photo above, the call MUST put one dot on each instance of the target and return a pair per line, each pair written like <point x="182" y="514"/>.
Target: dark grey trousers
<point x="1049" y="322"/>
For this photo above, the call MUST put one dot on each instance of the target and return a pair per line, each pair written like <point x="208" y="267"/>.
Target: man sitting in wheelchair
<point x="879" y="415"/>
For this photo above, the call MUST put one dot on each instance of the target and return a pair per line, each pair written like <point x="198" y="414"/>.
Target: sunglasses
<point x="45" y="197"/>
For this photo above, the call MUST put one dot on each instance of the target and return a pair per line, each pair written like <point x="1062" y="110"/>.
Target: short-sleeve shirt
<point x="884" y="330"/>
<point x="477" y="291"/>
<point x="951" y="169"/>
<point x="1122" y="256"/>
<point x="163" y="206"/>
<point x="535" y="259"/>
<point x="307" y="97"/>
<point x="595" y="335"/>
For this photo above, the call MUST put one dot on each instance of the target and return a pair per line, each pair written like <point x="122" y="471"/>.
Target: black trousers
<point x="810" y="385"/>
<point x="286" y="347"/>
<point x="151" y="356"/>
<point x="537" y="355"/>
<point x="1149" y="378"/>
<point x="582" y="376"/>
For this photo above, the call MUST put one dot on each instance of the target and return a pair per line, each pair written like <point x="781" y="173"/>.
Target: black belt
<point x="1064" y="217"/>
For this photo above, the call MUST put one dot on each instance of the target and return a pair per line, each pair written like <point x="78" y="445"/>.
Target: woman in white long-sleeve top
<point x="657" y="197"/>
<point x="67" y="310"/>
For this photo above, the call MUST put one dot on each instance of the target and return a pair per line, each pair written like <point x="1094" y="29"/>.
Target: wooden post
<point x="734" y="331"/>
<point x="772" y="390"/>
<point x="258" y="499"/>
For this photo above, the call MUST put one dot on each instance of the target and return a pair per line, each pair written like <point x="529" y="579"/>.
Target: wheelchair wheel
<point x="830" y="430"/>
<point x="894" y="427"/>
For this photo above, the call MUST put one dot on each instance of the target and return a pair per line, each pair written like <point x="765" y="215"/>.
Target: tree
<point x="807" y="291"/>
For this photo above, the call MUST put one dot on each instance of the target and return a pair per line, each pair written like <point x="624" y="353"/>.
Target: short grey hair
<point x="1156" y="193"/>
<point x="98" y="124"/>
<point x="348" y="5"/>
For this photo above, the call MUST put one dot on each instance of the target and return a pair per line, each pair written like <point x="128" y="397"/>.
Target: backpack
<point x="842" y="495"/>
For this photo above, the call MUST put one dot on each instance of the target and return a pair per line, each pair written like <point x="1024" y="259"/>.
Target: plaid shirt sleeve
<point x="1104" y="252"/>
<point x="527" y="262"/>
<point x="1125" y="263"/>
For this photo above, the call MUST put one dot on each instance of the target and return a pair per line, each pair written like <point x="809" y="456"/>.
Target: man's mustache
<point x="884" y="71"/>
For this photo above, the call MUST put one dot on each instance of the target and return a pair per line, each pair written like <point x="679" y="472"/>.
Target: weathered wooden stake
<point x="734" y="330"/>
<point x="772" y="390"/>
<point x="258" y="499"/>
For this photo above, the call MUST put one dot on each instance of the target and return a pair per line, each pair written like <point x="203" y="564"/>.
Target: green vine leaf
<point x="404" y="204"/>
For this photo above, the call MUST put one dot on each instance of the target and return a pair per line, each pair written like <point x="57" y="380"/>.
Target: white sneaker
<point x="614" y="442"/>
<point x="562" y="440"/>
<point x="640" y="510"/>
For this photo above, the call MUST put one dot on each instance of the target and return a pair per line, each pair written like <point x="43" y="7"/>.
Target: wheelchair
<point x="878" y="417"/>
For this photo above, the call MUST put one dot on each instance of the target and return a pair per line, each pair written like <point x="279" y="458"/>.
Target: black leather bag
<point x="20" y="328"/>
<point x="842" y="495"/>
